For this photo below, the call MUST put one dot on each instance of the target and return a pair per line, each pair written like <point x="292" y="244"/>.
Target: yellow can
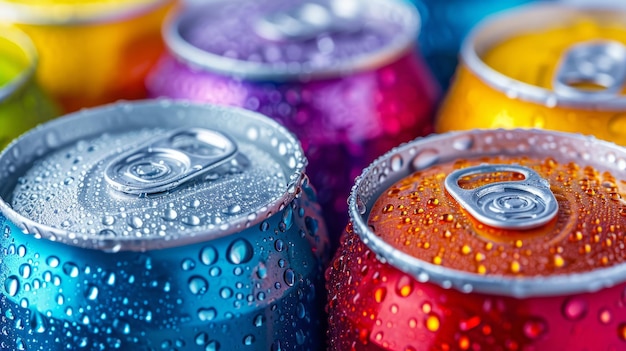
<point x="543" y="66"/>
<point x="22" y="103"/>
<point x="91" y="51"/>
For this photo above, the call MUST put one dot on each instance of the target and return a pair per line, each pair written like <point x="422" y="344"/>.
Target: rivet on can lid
<point x="309" y="20"/>
<point x="524" y="204"/>
<point x="167" y="162"/>
<point x="592" y="69"/>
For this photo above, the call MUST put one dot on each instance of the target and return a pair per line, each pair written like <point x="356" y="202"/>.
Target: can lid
<point x="55" y="12"/>
<point x="590" y="74"/>
<point x="408" y="233"/>
<point x="148" y="175"/>
<point x="18" y="59"/>
<point x="287" y="39"/>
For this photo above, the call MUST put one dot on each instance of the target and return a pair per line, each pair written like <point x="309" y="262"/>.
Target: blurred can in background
<point x="343" y="75"/>
<point x="444" y="26"/>
<point x="547" y="66"/>
<point x="22" y="103"/>
<point x="160" y="226"/>
<point x="91" y="51"/>
<point x="484" y="240"/>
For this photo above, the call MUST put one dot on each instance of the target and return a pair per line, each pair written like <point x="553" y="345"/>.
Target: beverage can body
<point x="229" y="258"/>
<point x="347" y="101"/>
<point x="506" y="81"/>
<point x="92" y="52"/>
<point x="419" y="269"/>
<point x="23" y="104"/>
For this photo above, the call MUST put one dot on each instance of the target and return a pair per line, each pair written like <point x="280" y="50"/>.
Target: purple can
<point x="343" y="75"/>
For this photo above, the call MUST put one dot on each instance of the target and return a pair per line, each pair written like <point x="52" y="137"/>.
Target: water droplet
<point x="300" y="310"/>
<point x="198" y="285"/>
<point x="70" y="269"/>
<point x="53" y="261"/>
<point x="279" y="245"/>
<point x="226" y="293"/>
<point x="207" y="314"/>
<point x="425" y="159"/>
<point x="248" y="340"/>
<point x="604" y="316"/>
<point x="464" y="142"/>
<point x="574" y="309"/>
<point x="170" y="214"/>
<point x="621" y="331"/>
<point x="535" y="328"/>
<point x="432" y="323"/>
<point x="265" y="226"/>
<point x="188" y="264"/>
<point x="25" y="270"/>
<point x="213" y="346"/>
<point x="68" y="180"/>
<point x="240" y="251"/>
<point x="261" y="271"/>
<point x="201" y="339"/>
<point x="312" y="225"/>
<point x="404" y="286"/>
<point x="108" y="220"/>
<point x="12" y="285"/>
<point x="287" y="218"/>
<point x="290" y="277"/>
<point x="259" y="320"/>
<point x="396" y="163"/>
<point x="37" y="322"/>
<point x="92" y="292"/>
<point x="233" y="209"/>
<point x="208" y="255"/>
<point x="135" y="222"/>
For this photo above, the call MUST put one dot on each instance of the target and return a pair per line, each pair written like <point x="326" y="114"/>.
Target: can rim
<point x="467" y="282"/>
<point x="198" y="58"/>
<point x="35" y="141"/>
<point x="74" y="14"/>
<point x="24" y="43"/>
<point x="501" y="26"/>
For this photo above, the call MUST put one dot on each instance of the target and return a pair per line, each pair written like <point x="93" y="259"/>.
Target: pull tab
<point x="309" y="20"/>
<point x="594" y="69"/>
<point x="167" y="162"/>
<point x="524" y="204"/>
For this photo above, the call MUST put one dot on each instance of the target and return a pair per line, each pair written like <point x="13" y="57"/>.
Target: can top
<point x="553" y="54"/>
<point x="287" y="39"/>
<point x="18" y="61"/>
<point x="56" y="12"/>
<point x="148" y="175"/>
<point x="557" y="200"/>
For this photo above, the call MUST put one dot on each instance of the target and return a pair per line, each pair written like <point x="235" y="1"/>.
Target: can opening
<point x="473" y="181"/>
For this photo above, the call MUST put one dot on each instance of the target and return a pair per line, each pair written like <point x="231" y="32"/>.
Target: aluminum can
<point x="344" y="76"/>
<point x="92" y="51"/>
<point x="22" y="103"/>
<point x="160" y="226"/>
<point x="444" y="26"/>
<point x="484" y="240"/>
<point x="547" y="66"/>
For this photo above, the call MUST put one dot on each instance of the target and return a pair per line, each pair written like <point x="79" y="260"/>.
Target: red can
<point x="485" y="240"/>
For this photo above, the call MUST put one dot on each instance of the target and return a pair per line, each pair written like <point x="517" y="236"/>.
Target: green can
<point x="23" y="104"/>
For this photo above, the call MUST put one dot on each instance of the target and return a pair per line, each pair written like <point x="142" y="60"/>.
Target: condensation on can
<point x="92" y="52"/>
<point x="417" y="271"/>
<point x="344" y="76"/>
<point x="163" y="223"/>
<point x="549" y="66"/>
<point x="22" y="103"/>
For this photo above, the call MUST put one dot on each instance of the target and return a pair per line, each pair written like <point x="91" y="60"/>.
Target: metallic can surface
<point x="547" y="66"/>
<point x="417" y="269"/>
<point x="444" y="26"/>
<point x="160" y="225"/>
<point x="350" y="87"/>
<point x="92" y="52"/>
<point x="22" y="103"/>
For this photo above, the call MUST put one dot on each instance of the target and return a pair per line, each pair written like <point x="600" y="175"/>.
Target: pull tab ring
<point x="599" y="64"/>
<point x="167" y="162"/>
<point x="524" y="204"/>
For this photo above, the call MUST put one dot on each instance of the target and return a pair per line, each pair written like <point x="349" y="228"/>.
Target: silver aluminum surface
<point x="53" y="179"/>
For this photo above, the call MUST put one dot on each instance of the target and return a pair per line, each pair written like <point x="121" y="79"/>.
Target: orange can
<point x="91" y="51"/>
<point x="548" y="66"/>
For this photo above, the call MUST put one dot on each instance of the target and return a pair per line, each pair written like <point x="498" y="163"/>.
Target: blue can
<point x="159" y="226"/>
<point x="445" y="24"/>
